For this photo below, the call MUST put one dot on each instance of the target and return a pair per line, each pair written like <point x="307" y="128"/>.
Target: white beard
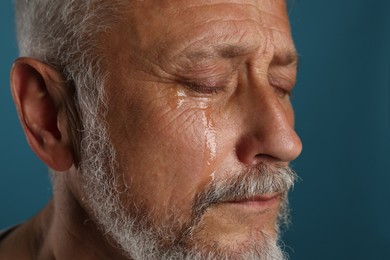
<point x="133" y="231"/>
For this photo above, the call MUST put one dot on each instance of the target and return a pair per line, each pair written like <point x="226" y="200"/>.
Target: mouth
<point x="260" y="202"/>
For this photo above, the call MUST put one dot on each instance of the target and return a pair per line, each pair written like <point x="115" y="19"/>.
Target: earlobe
<point x="37" y="91"/>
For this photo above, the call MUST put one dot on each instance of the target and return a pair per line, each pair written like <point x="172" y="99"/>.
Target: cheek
<point x="165" y="152"/>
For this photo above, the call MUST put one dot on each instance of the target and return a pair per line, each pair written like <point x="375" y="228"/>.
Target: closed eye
<point x="281" y="86"/>
<point x="204" y="89"/>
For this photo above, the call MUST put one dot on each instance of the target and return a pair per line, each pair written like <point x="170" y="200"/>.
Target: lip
<point x="263" y="201"/>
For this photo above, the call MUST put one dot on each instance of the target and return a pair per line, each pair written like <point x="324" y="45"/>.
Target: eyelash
<point x="282" y="92"/>
<point x="212" y="90"/>
<point x="203" y="89"/>
<point x="281" y="87"/>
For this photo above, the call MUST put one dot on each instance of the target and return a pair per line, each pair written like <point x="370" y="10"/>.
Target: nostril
<point x="264" y="158"/>
<point x="245" y="150"/>
<point x="284" y="146"/>
<point x="249" y="152"/>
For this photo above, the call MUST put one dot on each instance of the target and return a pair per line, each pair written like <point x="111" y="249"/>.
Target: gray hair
<point x="65" y="34"/>
<point x="62" y="33"/>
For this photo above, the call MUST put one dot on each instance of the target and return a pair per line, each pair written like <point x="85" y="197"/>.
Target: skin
<point x="199" y="91"/>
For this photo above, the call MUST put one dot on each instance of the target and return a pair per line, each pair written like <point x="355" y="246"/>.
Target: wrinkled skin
<point x="195" y="91"/>
<point x="199" y="90"/>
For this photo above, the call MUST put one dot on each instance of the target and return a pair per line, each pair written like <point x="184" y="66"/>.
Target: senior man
<point x="167" y="126"/>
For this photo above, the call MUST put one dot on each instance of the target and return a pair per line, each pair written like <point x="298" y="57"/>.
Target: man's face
<point x="197" y="96"/>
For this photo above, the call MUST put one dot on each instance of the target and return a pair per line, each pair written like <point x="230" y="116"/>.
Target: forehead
<point x="168" y="29"/>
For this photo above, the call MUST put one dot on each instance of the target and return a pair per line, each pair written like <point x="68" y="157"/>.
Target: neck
<point x="63" y="230"/>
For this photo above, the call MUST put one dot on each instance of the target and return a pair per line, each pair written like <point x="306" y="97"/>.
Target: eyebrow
<point x="287" y="58"/>
<point x="226" y="51"/>
<point x="229" y="51"/>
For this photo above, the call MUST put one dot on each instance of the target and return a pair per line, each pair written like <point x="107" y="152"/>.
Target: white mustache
<point x="255" y="181"/>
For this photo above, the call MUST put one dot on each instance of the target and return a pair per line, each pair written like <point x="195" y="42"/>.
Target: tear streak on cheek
<point x="210" y="137"/>
<point x="206" y="127"/>
<point x="180" y="96"/>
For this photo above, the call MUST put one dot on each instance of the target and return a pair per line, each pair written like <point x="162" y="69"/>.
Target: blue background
<point x="341" y="207"/>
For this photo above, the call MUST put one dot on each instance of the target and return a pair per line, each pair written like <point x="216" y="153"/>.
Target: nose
<point x="268" y="130"/>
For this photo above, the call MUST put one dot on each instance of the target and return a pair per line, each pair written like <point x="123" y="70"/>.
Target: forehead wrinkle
<point x="231" y="45"/>
<point x="205" y="51"/>
<point x="267" y="14"/>
<point x="177" y="11"/>
<point x="173" y="3"/>
<point x="232" y="38"/>
<point x="197" y="16"/>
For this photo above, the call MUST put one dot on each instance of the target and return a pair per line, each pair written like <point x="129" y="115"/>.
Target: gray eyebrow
<point x="229" y="51"/>
<point x="191" y="58"/>
<point x="226" y="51"/>
<point x="287" y="58"/>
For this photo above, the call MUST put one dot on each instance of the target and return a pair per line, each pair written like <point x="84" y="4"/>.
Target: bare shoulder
<point x="14" y="246"/>
<point x="26" y="241"/>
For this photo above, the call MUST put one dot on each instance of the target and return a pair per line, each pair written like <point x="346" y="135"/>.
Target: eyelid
<point x="204" y="86"/>
<point x="283" y="92"/>
<point x="281" y="84"/>
<point x="204" y="89"/>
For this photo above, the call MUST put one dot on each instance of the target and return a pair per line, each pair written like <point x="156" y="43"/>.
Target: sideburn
<point x="70" y="110"/>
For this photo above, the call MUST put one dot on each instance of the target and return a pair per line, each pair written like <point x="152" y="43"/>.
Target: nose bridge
<point x="268" y="128"/>
<point x="269" y="115"/>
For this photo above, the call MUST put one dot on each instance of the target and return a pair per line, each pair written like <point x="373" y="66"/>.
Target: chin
<point x="256" y="244"/>
<point x="233" y="223"/>
<point x="228" y="233"/>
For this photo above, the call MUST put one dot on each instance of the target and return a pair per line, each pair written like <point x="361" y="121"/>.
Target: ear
<point x="38" y="89"/>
